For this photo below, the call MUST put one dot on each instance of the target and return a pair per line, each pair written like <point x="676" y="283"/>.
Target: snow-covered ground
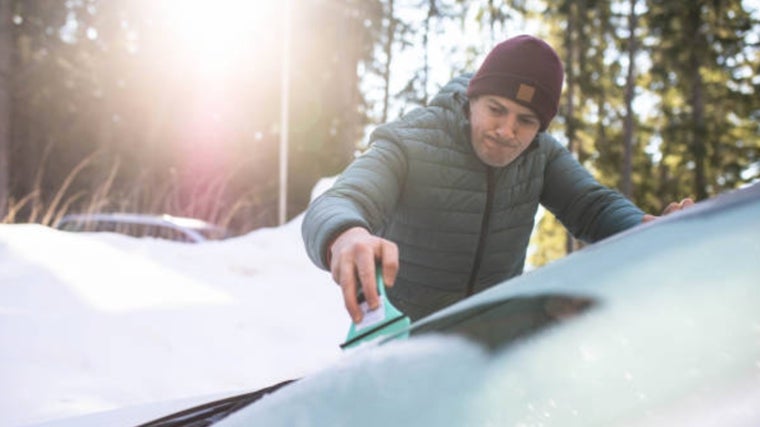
<point x="96" y="321"/>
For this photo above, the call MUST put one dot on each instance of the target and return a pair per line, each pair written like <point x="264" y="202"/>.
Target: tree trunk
<point x="390" y="37"/>
<point x="570" y="130"/>
<point x="432" y="12"/>
<point x="698" y="145"/>
<point x="626" y="181"/>
<point x="6" y="56"/>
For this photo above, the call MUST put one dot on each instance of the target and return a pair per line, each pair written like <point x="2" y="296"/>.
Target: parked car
<point x="657" y="326"/>
<point x="141" y="225"/>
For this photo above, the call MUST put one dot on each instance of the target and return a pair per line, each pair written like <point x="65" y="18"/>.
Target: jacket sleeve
<point x="364" y="195"/>
<point x="589" y="210"/>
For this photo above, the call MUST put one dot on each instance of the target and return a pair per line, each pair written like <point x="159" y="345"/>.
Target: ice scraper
<point x="384" y="320"/>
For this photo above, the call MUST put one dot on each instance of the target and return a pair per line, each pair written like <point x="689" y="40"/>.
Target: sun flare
<point x="214" y="36"/>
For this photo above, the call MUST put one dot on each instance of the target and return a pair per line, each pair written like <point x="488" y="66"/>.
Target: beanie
<point x="526" y="70"/>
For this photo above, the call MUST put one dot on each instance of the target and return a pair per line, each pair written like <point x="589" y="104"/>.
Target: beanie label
<point x="525" y="93"/>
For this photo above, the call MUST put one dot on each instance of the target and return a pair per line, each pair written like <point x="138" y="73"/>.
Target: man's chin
<point x="497" y="162"/>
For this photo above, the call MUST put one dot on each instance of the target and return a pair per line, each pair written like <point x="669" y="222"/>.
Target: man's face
<point x="501" y="129"/>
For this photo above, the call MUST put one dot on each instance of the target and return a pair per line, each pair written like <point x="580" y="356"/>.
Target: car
<point x="656" y="326"/>
<point x="169" y="227"/>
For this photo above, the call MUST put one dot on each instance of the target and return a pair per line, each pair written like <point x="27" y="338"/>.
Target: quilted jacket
<point x="460" y="225"/>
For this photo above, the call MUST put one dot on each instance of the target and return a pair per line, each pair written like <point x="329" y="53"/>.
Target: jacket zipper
<point x="490" y="184"/>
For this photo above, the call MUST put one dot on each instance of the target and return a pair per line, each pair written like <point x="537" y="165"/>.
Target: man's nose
<point x="506" y="128"/>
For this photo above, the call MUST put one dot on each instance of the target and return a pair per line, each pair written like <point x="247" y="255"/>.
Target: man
<point x="444" y="199"/>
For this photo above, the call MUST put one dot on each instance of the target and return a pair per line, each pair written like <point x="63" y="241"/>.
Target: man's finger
<point x="648" y="217"/>
<point x="348" y="285"/>
<point x="673" y="206"/>
<point x="365" y="267"/>
<point x="389" y="262"/>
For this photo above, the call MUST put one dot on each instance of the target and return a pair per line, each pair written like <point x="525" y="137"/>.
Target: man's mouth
<point x="503" y="142"/>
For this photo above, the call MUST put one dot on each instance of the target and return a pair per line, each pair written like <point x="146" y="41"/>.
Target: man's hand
<point x="353" y="255"/>
<point x="672" y="207"/>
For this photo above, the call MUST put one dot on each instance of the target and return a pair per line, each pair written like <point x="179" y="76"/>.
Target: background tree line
<point x="103" y="108"/>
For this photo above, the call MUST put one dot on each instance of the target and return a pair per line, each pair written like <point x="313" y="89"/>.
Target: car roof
<point x="191" y="227"/>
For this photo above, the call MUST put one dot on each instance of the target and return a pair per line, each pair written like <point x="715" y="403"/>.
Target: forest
<point x="177" y="106"/>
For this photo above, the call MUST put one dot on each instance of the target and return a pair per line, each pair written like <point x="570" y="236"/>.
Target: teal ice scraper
<point x="384" y="320"/>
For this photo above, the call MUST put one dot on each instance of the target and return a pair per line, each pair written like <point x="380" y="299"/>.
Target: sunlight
<point x="214" y="36"/>
<point x="215" y="55"/>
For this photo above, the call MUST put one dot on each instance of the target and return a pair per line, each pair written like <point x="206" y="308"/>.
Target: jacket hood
<point x="453" y="95"/>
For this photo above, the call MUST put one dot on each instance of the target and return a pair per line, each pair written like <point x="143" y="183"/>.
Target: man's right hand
<point x="354" y="255"/>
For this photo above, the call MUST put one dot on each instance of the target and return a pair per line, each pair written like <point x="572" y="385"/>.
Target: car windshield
<point x="499" y="324"/>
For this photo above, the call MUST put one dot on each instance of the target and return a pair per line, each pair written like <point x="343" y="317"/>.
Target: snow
<point x="430" y="381"/>
<point x="97" y="321"/>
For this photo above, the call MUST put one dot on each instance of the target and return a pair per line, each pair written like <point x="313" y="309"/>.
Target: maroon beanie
<point x="526" y="70"/>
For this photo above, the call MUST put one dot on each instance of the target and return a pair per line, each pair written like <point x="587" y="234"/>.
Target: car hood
<point x="136" y="414"/>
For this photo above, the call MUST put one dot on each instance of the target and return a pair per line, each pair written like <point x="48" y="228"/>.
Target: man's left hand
<point x="672" y="207"/>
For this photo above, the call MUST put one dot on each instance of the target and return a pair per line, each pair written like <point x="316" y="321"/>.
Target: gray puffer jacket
<point x="460" y="226"/>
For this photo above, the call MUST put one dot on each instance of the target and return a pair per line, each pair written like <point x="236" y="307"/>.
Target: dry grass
<point x="42" y="211"/>
<point x="211" y="203"/>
